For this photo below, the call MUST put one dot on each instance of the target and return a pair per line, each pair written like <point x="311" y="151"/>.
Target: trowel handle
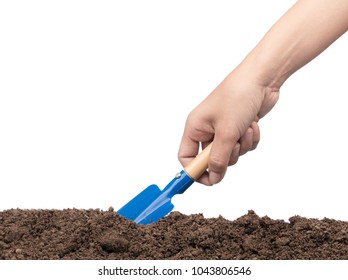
<point x="199" y="164"/>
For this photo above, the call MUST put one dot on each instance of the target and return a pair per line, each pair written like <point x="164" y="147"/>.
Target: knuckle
<point x="233" y="160"/>
<point x="217" y="164"/>
<point x="254" y="146"/>
<point x="245" y="147"/>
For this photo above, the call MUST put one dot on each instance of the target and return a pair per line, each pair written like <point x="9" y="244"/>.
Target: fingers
<point x="224" y="151"/>
<point x="217" y="163"/>
<point x="246" y="141"/>
<point x="256" y="134"/>
<point x="188" y="150"/>
<point x="204" y="179"/>
<point x="194" y="136"/>
<point x="235" y="154"/>
<point x="250" y="139"/>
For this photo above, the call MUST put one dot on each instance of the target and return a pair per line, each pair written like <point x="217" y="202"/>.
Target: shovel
<point x="153" y="203"/>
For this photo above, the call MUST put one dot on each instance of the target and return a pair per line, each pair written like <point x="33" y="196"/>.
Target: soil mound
<point x="95" y="234"/>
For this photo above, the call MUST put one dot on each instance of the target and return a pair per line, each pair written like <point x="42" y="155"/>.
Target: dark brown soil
<point x="95" y="234"/>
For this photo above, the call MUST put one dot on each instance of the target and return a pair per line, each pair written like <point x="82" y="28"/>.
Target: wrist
<point x="268" y="71"/>
<point x="254" y="71"/>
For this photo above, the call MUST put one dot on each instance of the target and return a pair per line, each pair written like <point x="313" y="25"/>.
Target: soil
<point x="94" y="234"/>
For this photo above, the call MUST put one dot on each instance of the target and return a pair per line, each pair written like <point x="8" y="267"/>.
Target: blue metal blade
<point x="152" y="203"/>
<point x="156" y="214"/>
<point x="140" y="202"/>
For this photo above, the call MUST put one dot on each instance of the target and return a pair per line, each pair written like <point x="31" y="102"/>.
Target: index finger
<point x="188" y="150"/>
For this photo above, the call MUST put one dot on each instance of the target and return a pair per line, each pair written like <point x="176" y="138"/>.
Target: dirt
<point x="95" y="234"/>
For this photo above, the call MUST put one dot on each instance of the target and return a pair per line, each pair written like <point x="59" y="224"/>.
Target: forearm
<point x="307" y="29"/>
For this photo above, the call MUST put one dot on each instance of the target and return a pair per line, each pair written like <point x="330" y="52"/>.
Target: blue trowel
<point x="153" y="203"/>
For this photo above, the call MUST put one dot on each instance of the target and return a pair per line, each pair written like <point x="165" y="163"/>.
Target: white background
<point x="94" y="96"/>
<point x="259" y="269"/>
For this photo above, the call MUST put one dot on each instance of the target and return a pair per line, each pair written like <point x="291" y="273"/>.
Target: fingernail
<point x="214" y="177"/>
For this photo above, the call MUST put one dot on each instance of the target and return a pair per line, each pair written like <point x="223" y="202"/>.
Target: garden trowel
<point x="153" y="203"/>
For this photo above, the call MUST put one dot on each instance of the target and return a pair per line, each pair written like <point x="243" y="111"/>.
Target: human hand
<point x="228" y="116"/>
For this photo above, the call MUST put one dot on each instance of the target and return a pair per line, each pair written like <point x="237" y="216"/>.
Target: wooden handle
<point x="199" y="164"/>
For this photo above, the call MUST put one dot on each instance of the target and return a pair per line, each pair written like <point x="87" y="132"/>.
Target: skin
<point x="230" y="113"/>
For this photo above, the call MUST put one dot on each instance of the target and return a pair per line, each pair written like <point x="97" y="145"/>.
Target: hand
<point x="228" y="116"/>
